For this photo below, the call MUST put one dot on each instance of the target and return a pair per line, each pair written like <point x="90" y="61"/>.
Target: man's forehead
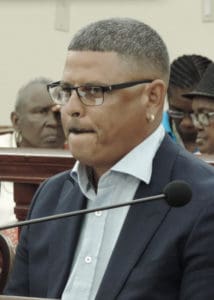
<point x="76" y="54"/>
<point x="97" y="66"/>
<point x="38" y="105"/>
<point x="36" y="98"/>
<point x="176" y="96"/>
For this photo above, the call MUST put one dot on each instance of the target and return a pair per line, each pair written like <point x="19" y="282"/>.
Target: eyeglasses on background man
<point x="177" y="114"/>
<point x="198" y="119"/>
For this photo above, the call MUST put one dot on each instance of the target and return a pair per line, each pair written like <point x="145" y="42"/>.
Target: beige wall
<point x="31" y="46"/>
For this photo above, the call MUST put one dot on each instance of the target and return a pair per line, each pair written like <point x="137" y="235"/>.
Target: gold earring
<point x="18" y="138"/>
<point x="150" y="118"/>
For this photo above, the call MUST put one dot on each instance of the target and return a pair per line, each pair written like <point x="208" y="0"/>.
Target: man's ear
<point x="157" y="92"/>
<point x="14" y="117"/>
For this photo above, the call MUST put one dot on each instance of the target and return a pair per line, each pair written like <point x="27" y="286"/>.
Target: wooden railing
<point x="27" y="168"/>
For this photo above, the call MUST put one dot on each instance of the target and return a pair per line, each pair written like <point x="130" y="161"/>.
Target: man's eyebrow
<point x="48" y="106"/>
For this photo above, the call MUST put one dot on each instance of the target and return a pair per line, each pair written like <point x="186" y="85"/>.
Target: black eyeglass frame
<point x="104" y="88"/>
<point x="176" y="114"/>
<point x="201" y="118"/>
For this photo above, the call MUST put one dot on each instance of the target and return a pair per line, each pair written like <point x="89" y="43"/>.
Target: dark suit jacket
<point x="162" y="252"/>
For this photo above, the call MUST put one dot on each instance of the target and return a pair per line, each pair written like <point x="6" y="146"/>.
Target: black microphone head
<point x="177" y="193"/>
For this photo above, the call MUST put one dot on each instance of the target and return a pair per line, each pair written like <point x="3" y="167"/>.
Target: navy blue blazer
<point x="161" y="253"/>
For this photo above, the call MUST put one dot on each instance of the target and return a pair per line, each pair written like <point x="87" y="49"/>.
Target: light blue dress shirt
<point x="101" y="229"/>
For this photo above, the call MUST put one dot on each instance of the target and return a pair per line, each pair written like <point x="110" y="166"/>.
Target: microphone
<point x="176" y="193"/>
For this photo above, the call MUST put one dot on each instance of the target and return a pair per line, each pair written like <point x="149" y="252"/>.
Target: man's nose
<point x="74" y="107"/>
<point x="187" y="121"/>
<point x="53" y="118"/>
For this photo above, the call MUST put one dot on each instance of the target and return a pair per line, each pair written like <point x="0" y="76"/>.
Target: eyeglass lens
<point x="176" y="114"/>
<point x="200" y="119"/>
<point x="90" y="95"/>
<point x="87" y="94"/>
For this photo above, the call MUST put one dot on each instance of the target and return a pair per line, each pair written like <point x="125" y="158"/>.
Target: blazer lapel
<point x="140" y="225"/>
<point x="65" y="235"/>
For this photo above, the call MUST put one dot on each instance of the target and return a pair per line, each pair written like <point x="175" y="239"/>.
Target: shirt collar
<point x="137" y="163"/>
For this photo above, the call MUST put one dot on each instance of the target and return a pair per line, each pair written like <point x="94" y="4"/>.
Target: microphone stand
<point x="80" y="212"/>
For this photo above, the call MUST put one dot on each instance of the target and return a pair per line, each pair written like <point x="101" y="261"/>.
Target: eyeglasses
<point x="61" y="92"/>
<point x="176" y="114"/>
<point x="202" y="119"/>
<point x="198" y="119"/>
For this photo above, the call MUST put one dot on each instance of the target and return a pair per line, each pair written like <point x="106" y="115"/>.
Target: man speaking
<point x="112" y="95"/>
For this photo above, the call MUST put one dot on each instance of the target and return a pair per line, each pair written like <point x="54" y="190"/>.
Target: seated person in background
<point x="185" y="73"/>
<point x="112" y="95"/>
<point x="36" y="124"/>
<point x="203" y="111"/>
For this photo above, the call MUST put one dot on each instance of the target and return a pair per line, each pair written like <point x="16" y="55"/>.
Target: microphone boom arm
<point x="176" y="193"/>
<point x="80" y="212"/>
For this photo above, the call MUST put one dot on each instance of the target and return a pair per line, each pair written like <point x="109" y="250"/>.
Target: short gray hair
<point x="130" y="38"/>
<point x="21" y="94"/>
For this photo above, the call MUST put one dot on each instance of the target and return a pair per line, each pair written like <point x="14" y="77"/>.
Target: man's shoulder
<point x="65" y="175"/>
<point x="176" y="162"/>
<point x="53" y="192"/>
<point x="194" y="162"/>
<point x="57" y="182"/>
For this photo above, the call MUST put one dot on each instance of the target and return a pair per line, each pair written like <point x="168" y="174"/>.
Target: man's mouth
<point x="200" y="139"/>
<point x="80" y="130"/>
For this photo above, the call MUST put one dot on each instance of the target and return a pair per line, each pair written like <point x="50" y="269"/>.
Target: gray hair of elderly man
<point x="21" y="94"/>
<point x="135" y="42"/>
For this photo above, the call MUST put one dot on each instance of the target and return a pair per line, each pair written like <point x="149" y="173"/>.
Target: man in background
<point x="36" y="124"/>
<point x="202" y="101"/>
<point x="185" y="73"/>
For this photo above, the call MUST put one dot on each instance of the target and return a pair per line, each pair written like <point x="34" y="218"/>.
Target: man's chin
<point x="54" y="145"/>
<point x="188" y="138"/>
<point x="204" y="147"/>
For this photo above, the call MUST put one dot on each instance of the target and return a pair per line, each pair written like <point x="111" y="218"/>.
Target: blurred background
<point x="35" y="34"/>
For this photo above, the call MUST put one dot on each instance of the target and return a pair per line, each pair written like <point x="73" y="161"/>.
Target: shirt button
<point x="88" y="259"/>
<point x="98" y="213"/>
